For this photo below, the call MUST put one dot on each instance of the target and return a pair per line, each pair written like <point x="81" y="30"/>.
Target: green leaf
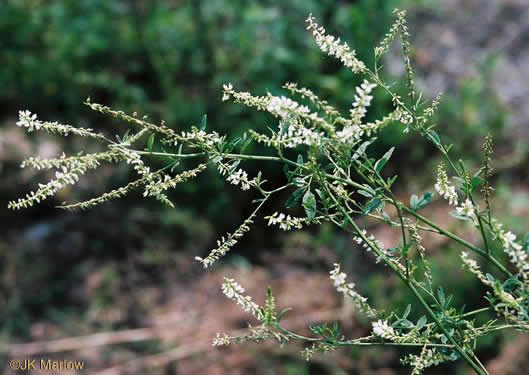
<point x="459" y="179"/>
<point x="386" y="216"/>
<point x="320" y="194"/>
<point x="234" y="166"/>
<point x="295" y="197"/>
<point x="371" y="205"/>
<point x="407" y="312"/>
<point x="414" y="202"/>
<point x="203" y="122"/>
<point x="476" y="181"/>
<point x="126" y="135"/>
<point x="284" y="125"/>
<point x="426" y="197"/>
<point x="309" y="204"/>
<point x="362" y="149"/>
<point x="298" y="181"/>
<point x="434" y="137"/>
<point x="335" y="329"/>
<point x="365" y="193"/>
<point x="441" y="296"/>
<point x="280" y="315"/>
<point x="286" y="171"/>
<point x="391" y="180"/>
<point x="246" y="142"/>
<point x="459" y="216"/>
<point x="369" y="189"/>
<point x="150" y="142"/>
<point x="422" y="321"/>
<point x="382" y="161"/>
<point x="300" y="159"/>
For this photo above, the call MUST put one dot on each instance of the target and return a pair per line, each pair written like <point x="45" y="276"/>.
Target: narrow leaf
<point x="434" y="137"/>
<point x="382" y="162"/>
<point x="459" y="216"/>
<point x="309" y="203"/>
<point x="422" y="321"/>
<point x="280" y="315"/>
<point x="407" y="312"/>
<point x="361" y="150"/>
<point x="295" y="197"/>
<point x="150" y="142"/>
<point x="414" y="202"/>
<point x="371" y="205"/>
<point x="441" y="296"/>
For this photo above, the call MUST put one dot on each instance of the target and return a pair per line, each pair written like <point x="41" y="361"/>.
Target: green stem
<point x="474" y="312"/>
<point x="410" y="286"/>
<point x="249" y="157"/>
<point x="358" y="343"/>
<point x="468" y="245"/>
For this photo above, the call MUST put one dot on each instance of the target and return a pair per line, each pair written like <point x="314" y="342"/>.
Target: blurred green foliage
<point x="167" y="59"/>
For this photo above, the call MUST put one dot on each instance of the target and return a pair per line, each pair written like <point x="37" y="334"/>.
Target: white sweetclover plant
<point x="335" y="181"/>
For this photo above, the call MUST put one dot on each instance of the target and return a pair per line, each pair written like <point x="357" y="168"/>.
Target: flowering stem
<point x="399" y="212"/>
<point x="480" y="222"/>
<point x="481" y="252"/>
<point x="250" y="157"/>
<point x="410" y="286"/>
<point x="358" y="343"/>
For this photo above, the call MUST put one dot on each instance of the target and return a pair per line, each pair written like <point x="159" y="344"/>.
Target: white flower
<point x="444" y="188"/>
<point x="382" y="329"/>
<point x="467" y="209"/>
<point x="228" y="90"/>
<point x="283" y="107"/>
<point x="240" y="177"/>
<point x="518" y="255"/>
<point x="28" y="120"/>
<point x="221" y="340"/>
<point x="339" y="280"/>
<point x="333" y="47"/>
<point x="234" y="290"/>
<point x="285" y="222"/>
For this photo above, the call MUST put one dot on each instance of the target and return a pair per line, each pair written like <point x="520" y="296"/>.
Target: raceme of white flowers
<point x="347" y="289"/>
<point x="518" y="255"/>
<point x="233" y="290"/>
<point x="285" y="222"/>
<point x="334" y="47"/>
<point x="382" y="329"/>
<point x="332" y="179"/>
<point x="30" y="122"/>
<point x="443" y="187"/>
